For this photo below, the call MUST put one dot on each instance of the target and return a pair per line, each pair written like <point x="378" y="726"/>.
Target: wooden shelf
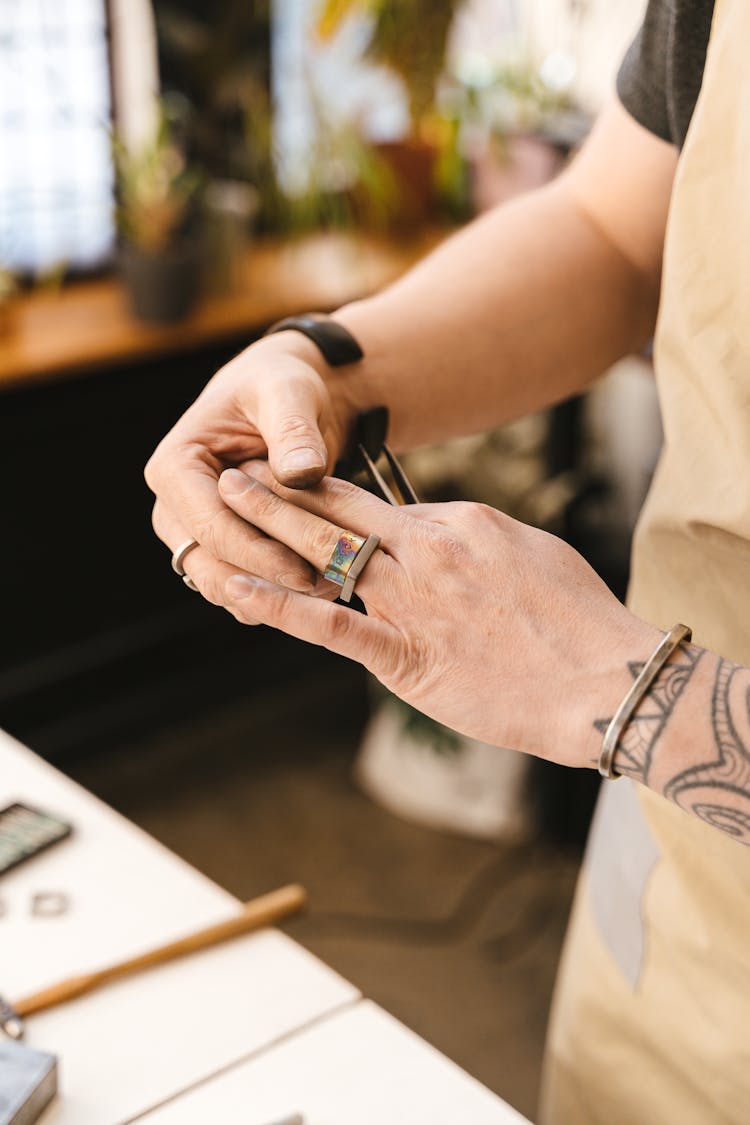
<point x="87" y="326"/>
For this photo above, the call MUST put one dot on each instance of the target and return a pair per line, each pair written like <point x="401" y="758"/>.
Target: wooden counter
<point x="87" y="326"/>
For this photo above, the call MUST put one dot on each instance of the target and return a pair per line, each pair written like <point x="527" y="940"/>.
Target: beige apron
<point x="651" y="1020"/>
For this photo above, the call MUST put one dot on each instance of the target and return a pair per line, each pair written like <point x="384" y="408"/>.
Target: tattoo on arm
<point x="636" y="749"/>
<point x="718" y="789"/>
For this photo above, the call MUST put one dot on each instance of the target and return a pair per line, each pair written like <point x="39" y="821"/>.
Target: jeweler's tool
<point x="368" y="444"/>
<point x="262" y="911"/>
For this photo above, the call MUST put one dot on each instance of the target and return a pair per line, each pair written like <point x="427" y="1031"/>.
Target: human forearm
<point x="528" y="304"/>
<point x="521" y="309"/>
<point x="690" y="739"/>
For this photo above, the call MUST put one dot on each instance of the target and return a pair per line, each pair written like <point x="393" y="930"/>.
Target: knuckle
<point x="265" y="502"/>
<point x="472" y="512"/>
<point x="242" y="615"/>
<point x="293" y="426"/>
<point x="334" y="488"/>
<point x="212" y="534"/>
<point x="270" y="559"/>
<point x="449" y="549"/>
<point x="337" y="626"/>
<point x="318" y="543"/>
<point x="152" y="470"/>
<point x="280" y="608"/>
<point x="159" y="468"/>
<point x="207" y="536"/>
<point x="210" y="588"/>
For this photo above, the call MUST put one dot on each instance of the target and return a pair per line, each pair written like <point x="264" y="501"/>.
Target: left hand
<point x="496" y="629"/>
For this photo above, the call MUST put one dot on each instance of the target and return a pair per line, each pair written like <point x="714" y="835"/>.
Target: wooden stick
<point x="262" y="911"/>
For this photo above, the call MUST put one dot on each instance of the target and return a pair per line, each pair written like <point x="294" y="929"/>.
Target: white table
<point x="357" y="1067"/>
<point x="132" y="1044"/>
<point x="244" y="1032"/>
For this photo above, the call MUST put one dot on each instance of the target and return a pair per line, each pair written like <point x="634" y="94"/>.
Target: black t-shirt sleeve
<point x="661" y="74"/>
<point x="642" y="79"/>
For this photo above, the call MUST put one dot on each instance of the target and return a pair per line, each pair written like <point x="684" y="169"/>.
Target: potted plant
<point x="521" y="122"/>
<point x="433" y="776"/>
<point x="410" y="37"/>
<point x="159" y="250"/>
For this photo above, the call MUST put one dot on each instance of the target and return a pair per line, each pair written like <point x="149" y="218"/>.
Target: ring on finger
<point x="178" y="560"/>
<point x="348" y="559"/>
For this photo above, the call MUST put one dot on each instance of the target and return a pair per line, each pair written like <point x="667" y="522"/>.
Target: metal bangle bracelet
<point x="632" y="700"/>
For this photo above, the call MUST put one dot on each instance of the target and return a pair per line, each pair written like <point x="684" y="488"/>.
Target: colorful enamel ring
<point x="350" y="557"/>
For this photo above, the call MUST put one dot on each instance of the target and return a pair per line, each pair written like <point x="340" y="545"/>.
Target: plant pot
<point x="412" y="163"/>
<point x="230" y="207"/>
<point x="473" y="790"/>
<point x="500" y="172"/>
<point x="162" y="287"/>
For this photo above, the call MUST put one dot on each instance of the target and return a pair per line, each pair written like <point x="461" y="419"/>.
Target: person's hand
<point x="496" y="629"/>
<point x="277" y="399"/>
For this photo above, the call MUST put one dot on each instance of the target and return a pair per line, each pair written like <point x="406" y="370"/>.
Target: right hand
<point x="277" y="399"/>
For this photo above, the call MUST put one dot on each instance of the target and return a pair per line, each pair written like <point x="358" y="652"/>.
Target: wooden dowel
<point x="262" y="911"/>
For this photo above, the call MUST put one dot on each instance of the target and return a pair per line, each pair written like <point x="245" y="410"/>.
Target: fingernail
<point x="241" y="586"/>
<point x="296" y="582"/>
<point x="302" y="459"/>
<point x="232" y="480"/>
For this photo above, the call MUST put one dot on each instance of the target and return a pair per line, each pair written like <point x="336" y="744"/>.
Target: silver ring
<point x="178" y="557"/>
<point x="363" y="557"/>
<point x="190" y="584"/>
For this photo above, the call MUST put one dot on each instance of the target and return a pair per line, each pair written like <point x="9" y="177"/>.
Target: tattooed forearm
<point x="718" y="791"/>
<point x="643" y="732"/>
<point x="697" y="756"/>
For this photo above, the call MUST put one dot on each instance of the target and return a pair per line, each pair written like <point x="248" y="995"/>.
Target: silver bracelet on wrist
<point x="632" y="700"/>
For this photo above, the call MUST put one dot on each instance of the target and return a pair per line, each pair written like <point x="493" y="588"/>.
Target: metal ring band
<point x="651" y="669"/>
<point x="190" y="584"/>
<point x="178" y="558"/>
<point x="348" y="559"/>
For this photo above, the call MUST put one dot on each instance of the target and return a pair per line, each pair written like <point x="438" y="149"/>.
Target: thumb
<point x="290" y="425"/>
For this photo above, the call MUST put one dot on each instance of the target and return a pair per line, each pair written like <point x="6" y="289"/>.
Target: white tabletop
<point x="132" y="1044"/>
<point x="244" y="1033"/>
<point x="360" y="1067"/>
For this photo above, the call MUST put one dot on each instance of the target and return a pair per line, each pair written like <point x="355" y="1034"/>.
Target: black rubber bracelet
<point x="336" y="343"/>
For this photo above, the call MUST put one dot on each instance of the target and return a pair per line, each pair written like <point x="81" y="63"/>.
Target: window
<point x="55" y="167"/>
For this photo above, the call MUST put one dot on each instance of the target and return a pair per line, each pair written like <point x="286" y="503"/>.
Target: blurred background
<point x="175" y="176"/>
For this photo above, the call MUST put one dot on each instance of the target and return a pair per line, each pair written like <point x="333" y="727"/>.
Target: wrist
<point x="296" y="344"/>
<point x="625" y="642"/>
<point x="686" y="689"/>
<point x="363" y="385"/>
